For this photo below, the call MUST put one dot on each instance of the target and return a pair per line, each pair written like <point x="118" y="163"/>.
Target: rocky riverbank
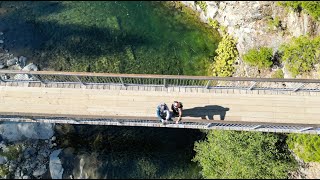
<point x="250" y="22"/>
<point x="28" y="151"/>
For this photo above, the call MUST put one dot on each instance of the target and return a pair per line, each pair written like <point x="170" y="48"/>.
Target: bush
<point x="4" y="171"/>
<point x="243" y="155"/>
<point x="278" y="74"/>
<point x="227" y="53"/>
<point x="311" y="7"/>
<point x="13" y="152"/>
<point x="213" y="23"/>
<point x="203" y="5"/>
<point x="301" y="54"/>
<point x="274" y="23"/>
<point x="259" y="57"/>
<point x="305" y="146"/>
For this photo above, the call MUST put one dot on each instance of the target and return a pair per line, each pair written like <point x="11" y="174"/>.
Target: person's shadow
<point x="206" y="112"/>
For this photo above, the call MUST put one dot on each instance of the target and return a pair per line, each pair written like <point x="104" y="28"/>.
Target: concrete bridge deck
<point x="220" y="105"/>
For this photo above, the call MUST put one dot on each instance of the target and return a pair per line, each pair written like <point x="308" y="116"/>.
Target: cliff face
<point x="248" y="21"/>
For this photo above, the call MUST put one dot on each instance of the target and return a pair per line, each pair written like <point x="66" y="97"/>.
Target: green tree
<point x="259" y="57"/>
<point x="227" y="53"/>
<point x="231" y="154"/>
<point x="305" y="146"/>
<point x="301" y="54"/>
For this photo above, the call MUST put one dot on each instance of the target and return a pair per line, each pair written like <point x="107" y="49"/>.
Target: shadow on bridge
<point x="207" y="112"/>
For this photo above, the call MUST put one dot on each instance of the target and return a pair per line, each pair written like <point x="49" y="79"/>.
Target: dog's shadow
<point x="206" y="112"/>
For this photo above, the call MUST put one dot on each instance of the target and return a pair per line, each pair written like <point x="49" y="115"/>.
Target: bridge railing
<point x="206" y="82"/>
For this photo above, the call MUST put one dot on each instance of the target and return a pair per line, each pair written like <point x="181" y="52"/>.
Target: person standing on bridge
<point x="176" y="108"/>
<point x="163" y="113"/>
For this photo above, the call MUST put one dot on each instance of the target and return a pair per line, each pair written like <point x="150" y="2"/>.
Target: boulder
<point x="22" y="61"/>
<point x="13" y="131"/>
<point x="12" y="61"/>
<point x="40" y="171"/>
<point x="30" y="67"/>
<point x="3" y="160"/>
<point x="55" y="165"/>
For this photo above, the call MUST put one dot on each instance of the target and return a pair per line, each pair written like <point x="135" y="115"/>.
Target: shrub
<point x="243" y="155"/>
<point x="301" y="54"/>
<point x="227" y="53"/>
<point x="311" y="7"/>
<point x="305" y="146"/>
<point x="213" y="23"/>
<point x="203" y="5"/>
<point x="262" y="57"/>
<point x="274" y="23"/>
<point x="3" y="171"/>
<point x="278" y="74"/>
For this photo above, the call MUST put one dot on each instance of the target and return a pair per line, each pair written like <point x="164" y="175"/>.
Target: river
<point x="118" y="37"/>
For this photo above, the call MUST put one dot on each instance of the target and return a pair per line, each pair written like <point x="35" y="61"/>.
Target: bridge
<point x="229" y="103"/>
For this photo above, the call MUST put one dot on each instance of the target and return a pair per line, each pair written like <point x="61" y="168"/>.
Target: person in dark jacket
<point x="176" y="108"/>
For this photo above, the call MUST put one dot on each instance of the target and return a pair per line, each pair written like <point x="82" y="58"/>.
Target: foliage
<point x="311" y="7"/>
<point x="301" y="54"/>
<point x="243" y="155"/>
<point x="261" y="57"/>
<point x="305" y="146"/>
<point x="274" y="22"/>
<point x="203" y="5"/>
<point x="4" y="170"/>
<point x="278" y="74"/>
<point x="213" y="23"/>
<point x="12" y="152"/>
<point x="227" y="53"/>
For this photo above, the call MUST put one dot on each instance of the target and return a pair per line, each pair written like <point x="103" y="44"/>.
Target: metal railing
<point x="277" y="128"/>
<point x="206" y="82"/>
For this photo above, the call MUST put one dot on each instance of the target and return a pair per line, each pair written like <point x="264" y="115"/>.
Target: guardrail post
<point x="300" y="86"/>
<point x="165" y="83"/>
<point x="252" y="86"/>
<point x="39" y="79"/>
<point x="83" y="84"/>
<point x="305" y="129"/>
<point x="2" y="80"/>
<point x="121" y="80"/>
<point x="256" y="127"/>
<point x="208" y="83"/>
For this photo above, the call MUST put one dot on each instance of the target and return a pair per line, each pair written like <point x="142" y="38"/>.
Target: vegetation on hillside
<point x="244" y="155"/>
<point x="301" y="54"/>
<point x="310" y="7"/>
<point x="261" y="57"/>
<point x="305" y="146"/>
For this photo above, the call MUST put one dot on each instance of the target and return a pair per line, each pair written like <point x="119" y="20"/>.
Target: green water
<point x="124" y="37"/>
<point x="118" y="37"/>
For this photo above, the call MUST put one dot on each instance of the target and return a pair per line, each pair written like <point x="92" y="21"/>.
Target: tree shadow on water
<point x="205" y="112"/>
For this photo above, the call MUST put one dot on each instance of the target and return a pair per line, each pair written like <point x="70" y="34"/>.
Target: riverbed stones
<point x="40" y="171"/>
<point x="30" y="67"/>
<point x="3" y="160"/>
<point x="12" y="61"/>
<point x="55" y="165"/>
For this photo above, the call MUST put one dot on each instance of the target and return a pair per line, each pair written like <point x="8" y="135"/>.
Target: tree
<point x="231" y="154"/>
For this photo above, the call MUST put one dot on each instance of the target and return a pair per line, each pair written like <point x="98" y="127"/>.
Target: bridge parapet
<point x="152" y="122"/>
<point x="164" y="81"/>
